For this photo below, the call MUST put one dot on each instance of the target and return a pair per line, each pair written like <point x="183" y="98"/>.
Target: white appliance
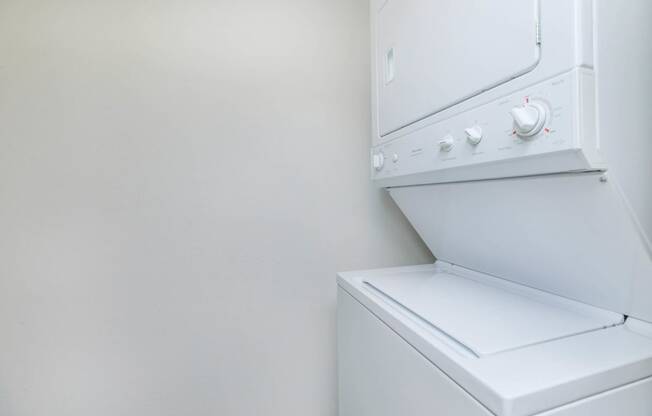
<point x="513" y="135"/>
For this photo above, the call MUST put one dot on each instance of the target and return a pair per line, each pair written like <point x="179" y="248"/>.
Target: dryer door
<point x="434" y="54"/>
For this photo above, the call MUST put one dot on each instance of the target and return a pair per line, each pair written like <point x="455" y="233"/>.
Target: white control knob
<point x="446" y="144"/>
<point x="529" y="119"/>
<point x="378" y="161"/>
<point x="474" y="135"/>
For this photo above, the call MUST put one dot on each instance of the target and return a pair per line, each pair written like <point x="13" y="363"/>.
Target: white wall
<point x="179" y="182"/>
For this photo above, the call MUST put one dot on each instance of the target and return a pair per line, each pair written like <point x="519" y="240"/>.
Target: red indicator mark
<point x="527" y="100"/>
<point x="547" y="130"/>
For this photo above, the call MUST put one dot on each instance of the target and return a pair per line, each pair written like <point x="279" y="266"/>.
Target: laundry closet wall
<point x="179" y="182"/>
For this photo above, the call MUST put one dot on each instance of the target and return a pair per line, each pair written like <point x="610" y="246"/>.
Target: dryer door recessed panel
<point x="432" y="55"/>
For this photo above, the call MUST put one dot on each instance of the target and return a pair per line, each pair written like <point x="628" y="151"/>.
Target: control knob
<point x="446" y="144"/>
<point x="529" y="119"/>
<point x="378" y="161"/>
<point x="474" y="135"/>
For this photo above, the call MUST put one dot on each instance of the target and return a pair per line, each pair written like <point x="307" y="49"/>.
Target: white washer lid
<point x="490" y="318"/>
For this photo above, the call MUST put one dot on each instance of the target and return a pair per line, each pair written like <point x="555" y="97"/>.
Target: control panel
<point x="525" y="133"/>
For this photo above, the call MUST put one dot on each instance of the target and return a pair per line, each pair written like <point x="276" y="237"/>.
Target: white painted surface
<point x="602" y="40"/>
<point x="521" y="382"/>
<point x="427" y="46"/>
<point x="630" y="400"/>
<point x="584" y="236"/>
<point x="595" y="129"/>
<point x="180" y="179"/>
<point x="566" y="234"/>
<point x="565" y="142"/>
<point x="488" y="319"/>
<point x="382" y="375"/>
<point x="624" y="78"/>
<point x="566" y="33"/>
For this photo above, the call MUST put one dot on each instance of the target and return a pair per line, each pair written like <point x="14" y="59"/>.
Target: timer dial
<point x="529" y="119"/>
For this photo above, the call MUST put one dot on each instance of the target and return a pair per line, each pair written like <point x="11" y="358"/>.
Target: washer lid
<point x="573" y="235"/>
<point x="487" y="317"/>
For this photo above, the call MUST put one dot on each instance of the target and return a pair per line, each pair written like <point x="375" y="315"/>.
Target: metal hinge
<point x="538" y="29"/>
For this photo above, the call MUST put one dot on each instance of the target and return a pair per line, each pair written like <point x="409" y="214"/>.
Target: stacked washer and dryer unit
<point x="513" y="135"/>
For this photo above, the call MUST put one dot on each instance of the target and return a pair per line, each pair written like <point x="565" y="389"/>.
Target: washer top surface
<point x="519" y="351"/>
<point x="487" y="319"/>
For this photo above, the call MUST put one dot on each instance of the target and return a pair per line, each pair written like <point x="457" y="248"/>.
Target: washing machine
<point x="513" y="136"/>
